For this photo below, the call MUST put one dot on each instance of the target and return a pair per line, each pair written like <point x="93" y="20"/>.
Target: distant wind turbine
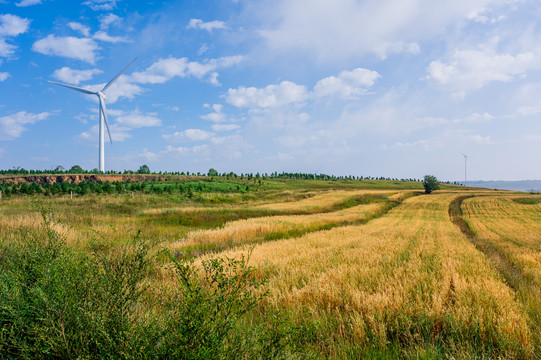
<point x="102" y="112"/>
<point x="465" y="167"/>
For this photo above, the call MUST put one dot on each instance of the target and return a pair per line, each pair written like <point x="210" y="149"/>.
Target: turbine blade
<point x="89" y="92"/>
<point x="103" y="110"/>
<point x="116" y="77"/>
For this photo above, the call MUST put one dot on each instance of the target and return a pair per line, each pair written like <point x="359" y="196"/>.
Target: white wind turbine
<point x="102" y="112"/>
<point x="465" y="167"/>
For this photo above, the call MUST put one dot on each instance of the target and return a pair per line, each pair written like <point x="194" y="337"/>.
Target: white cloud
<point x="2" y="152"/>
<point x="198" y="149"/>
<point x="189" y="135"/>
<point x="166" y="69"/>
<point x="347" y="84"/>
<point x="230" y="147"/>
<point x="24" y="3"/>
<point x="103" y="36"/>
<point x="109" y="19"/>
<point x="6" y="49"/>
<point x="12" y="126"/>
<point x="72" y="76"/>
<point x="270" y="96"/>
<point x="208" y="26"/>
<point x="217" y="115"/>
<point x="85" y="30"/>
<point x="97" y="5"/>
<point x="3" y="76"/>
<point x="10" y="26"/>
<point x="118" y="134"/>
<point x="71" y="47"/>
<point x="149" y="156"/>
<point x="331" y="31"/>
<point x="124" y="122"/>
<point x="122" y="87"/>
<point x="475" y="118"/>
<point x="468" y="70"/>
<point x="225" y="127"/>
<point x="137" y="119"/>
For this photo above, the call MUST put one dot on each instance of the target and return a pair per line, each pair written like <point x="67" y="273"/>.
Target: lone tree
<point x="76" y="169"/>
<point x="430" y="184"/>
<point x="144" y="169"/>
<point x="212" y="172"/>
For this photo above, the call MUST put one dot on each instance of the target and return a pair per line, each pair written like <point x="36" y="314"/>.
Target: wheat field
<point x="351" y="273"/>
<point x="403" y="277"/>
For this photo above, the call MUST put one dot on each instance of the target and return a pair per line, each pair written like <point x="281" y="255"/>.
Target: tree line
<point x="187" y="189"/>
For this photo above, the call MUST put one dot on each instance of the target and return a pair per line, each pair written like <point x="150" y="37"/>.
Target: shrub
<point x="56" y="302"/>
<point x="430" y="184"/>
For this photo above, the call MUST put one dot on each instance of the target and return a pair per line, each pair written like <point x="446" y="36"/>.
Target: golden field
<point x="359" y="272"/>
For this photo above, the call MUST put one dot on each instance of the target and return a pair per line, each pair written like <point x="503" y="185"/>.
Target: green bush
<point x="56" y="302"/>
<point x="430" y="183"/>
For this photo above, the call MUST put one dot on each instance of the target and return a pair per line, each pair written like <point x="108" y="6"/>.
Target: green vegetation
<point x="430" y="183"/>
<point x="527" y="201"/>
<point x="56" y="302"/>
<point x="338" y="269"/>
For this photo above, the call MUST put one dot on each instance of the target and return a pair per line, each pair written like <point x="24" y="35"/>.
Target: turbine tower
<point x="465" y="167"/>
<point x="102" y="112"/>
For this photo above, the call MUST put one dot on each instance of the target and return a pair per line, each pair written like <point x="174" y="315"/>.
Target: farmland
<point x="279" y="268"/>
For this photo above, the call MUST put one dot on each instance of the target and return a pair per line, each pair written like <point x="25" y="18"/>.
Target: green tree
<point x="430" y="183"/>
<point x="144" y="169"/>
<point x="212" y="172"/>
<point x="76" y="169"/>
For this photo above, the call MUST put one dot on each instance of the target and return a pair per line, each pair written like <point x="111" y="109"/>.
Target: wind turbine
<point x="102" y="112"/>
<point x="465" y="167"/>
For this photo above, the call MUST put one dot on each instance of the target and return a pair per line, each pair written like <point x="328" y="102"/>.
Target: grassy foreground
<point x="293" y="269"/>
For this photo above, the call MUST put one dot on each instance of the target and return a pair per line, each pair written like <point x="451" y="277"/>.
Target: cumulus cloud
<point x="189" y="135"/>
<point x="85" y="30"/>
<point x="217" y="115"/>
<point x="24" y="3"/>
<point x="468" y="70"/>
<point x="109" y="19"/>
<point x="136" y="119"/>
<point x="225" y="127"/>
<point x="11" y="26"/>
<point x="12" y="126"/>
<point x="71" y="47"/>
<point x="97" y="5"/>
<point x="103" y="36"/>
<point x="347" y="84"/>
<point x="166" y="69"/>
<point x="270" y="96"/>
<point x="118" y="134"/>
<point x="72" y="76"/>
<point x="208" y="26"/>
<point x="124" y="122"/>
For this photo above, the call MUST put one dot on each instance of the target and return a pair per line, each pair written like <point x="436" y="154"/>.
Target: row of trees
<point x="89" y="187"/>
<point x="144" y="169"/>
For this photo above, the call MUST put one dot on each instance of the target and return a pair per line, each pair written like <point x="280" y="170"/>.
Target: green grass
<point x="56" y="302"/>
<point x="527" y="201"/>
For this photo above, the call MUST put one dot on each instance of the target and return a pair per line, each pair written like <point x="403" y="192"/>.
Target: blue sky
<point x="394" y="88"/>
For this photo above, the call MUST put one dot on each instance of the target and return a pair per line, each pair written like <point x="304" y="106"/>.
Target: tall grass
<point x="56" y="302"/>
